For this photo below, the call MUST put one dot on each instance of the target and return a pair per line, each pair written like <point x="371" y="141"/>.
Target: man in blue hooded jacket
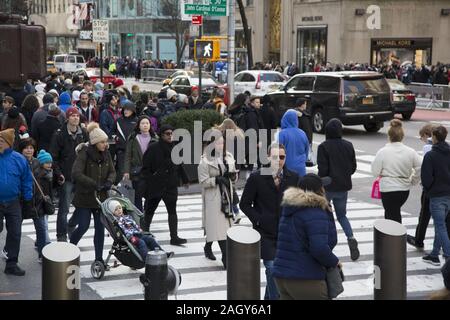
<point x="16" y="182"/>
<point x="295" y="141"/>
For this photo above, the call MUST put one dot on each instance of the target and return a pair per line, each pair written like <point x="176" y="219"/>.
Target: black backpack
<point x="240" y="119"/>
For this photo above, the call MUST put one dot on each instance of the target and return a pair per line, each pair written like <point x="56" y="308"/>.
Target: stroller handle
<point x="113" y="188"/>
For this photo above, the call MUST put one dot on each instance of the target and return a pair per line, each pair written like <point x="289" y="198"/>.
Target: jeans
<point x="439" y="207"/>
<point x="84" y="220"/>
<point x="146" y="244"/>
<point x="65" y="198"/>
<point x="339" y="200"/>
<point x="271" y="288"/>
<point x="41" y="227"/>
<point x="12" y="212"/>
<point x="392" y="203"/>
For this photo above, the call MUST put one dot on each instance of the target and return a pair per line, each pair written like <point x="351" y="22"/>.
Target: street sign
<point x="197" y="20"/>
<point x="207" y="50"/>
<point x="100" y="31"/>
<point x="209" y="8"/>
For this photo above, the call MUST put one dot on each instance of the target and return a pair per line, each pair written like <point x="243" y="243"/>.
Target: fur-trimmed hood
<point x="296" y="197"/>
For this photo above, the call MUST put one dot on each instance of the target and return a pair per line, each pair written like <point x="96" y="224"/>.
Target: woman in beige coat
<point x="216" y="174"/>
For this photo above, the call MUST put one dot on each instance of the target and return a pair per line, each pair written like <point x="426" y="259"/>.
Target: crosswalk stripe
<point x="205" y="279"/>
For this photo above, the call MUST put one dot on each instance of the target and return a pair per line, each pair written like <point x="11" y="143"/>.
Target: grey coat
<point x="214" y="221"/>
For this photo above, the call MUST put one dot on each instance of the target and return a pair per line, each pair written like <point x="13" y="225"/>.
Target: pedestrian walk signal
<point x="207" y="50"/>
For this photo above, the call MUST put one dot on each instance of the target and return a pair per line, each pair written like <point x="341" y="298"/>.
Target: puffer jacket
<point x="306" y="237"/>
<point x="91" y="170"/>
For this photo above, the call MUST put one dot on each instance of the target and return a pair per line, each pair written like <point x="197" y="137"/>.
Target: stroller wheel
<point x="97" y="270"/>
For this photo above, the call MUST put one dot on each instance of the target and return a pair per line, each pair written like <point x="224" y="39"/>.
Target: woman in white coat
<point x="399" y="168"/>
<point x="216" y="174"/>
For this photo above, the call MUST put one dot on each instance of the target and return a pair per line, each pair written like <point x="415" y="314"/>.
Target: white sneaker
<point x="4" y="254"/>
<point x="39" y="260"/>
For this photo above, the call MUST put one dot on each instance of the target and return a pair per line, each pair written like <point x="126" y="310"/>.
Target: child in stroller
<point x="142" y="242"/>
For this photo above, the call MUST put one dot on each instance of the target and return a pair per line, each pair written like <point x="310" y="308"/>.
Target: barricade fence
<point x="431" y="96"/>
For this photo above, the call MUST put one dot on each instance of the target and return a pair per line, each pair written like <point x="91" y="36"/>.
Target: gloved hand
<point x="27" y="209"/>
<point x="221" y="180"/>
<point x="230" y="175"/>
<point x="106" y="186"/>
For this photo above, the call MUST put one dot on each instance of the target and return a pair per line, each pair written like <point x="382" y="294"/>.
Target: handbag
<point x="376" y="193"/>
<point x="334" y="279"/>
<point x="47" y="203"/>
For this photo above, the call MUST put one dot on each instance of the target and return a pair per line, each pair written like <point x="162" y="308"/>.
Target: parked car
<point x="93" y="74"/>
<point x="258" y="82"/>
<point x="69" y="62"/>
<point x="51" y="67"/>
<point x="187" y="73"/>
<point x="183" y="84"/>
<point x="404" y="100"/>
<point x="355" y="97"/>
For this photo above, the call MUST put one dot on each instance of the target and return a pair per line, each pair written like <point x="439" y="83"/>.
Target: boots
<point x="223" y="248"/>
<point x="208" y="251"/>
<point x="173" y="227"/>
<point x="354" y="252"/>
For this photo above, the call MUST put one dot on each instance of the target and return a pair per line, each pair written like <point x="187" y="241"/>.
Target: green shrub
<point x="185" y="119"/>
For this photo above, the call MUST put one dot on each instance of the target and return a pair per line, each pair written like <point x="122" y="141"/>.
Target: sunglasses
<point x="280" y="157"/>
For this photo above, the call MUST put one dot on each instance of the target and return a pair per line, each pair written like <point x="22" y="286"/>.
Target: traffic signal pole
<point x="231" y="49"/>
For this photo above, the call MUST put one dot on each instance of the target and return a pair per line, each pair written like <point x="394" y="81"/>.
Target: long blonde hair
<point x="229" y="124"/>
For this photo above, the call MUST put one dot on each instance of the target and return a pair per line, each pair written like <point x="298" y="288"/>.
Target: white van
<point x="69" y="62"/>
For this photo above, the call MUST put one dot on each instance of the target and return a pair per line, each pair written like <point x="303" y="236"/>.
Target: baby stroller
<point x="121" y="248"/>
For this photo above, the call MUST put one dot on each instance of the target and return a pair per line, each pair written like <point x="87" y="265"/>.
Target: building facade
<point x="339" y="31"/>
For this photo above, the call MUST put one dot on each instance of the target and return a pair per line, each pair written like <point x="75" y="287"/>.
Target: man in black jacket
<point x="261" y="202"/>
<point x="436" y="183"/>
<point x="62" y="149"/>
<point x="160" y="182"/>
<point x="253" y="121"/>
<point x="336" y="159"/>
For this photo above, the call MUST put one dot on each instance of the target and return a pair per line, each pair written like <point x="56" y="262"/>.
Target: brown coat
<point x="90" y="170"/>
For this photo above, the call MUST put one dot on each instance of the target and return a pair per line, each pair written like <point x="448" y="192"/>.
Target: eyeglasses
<point x="280" y="157"/>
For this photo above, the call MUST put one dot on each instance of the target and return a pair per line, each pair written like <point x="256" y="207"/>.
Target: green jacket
<point x="91" y="170"/>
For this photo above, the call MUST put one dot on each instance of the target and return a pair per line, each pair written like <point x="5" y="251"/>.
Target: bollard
<point x="389" y="260"/>
<point x="243" y="264"/>
<point x="61" y="272"/>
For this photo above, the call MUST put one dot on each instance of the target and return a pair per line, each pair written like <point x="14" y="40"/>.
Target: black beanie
<point x="164" y="128"/>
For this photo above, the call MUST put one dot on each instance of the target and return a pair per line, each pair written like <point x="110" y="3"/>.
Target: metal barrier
<point x="431" y="96"/>
<point x="152" y="74"/>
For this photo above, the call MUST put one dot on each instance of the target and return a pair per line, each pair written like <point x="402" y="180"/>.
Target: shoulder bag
<point x="47" y="204"/>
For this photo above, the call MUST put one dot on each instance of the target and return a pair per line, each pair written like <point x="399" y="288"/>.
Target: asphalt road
<point x="367" y="145"/>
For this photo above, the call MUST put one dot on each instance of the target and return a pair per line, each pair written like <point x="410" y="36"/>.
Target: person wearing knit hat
<point x="71" y="111"/>
<point x="96" y="135"/>
<point x="93" y="174"/>
<point x="16" y="183"/>
<point x="76" y="96"/>
<point x="8" y="136"/>
<point x="44" y="157"/>
<point x="171" y="95"/>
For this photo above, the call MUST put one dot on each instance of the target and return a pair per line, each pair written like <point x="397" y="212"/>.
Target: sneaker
<point x="412" y="241"/>
<point x="354" y="252"/>
<point x="435" y="261"/>
<point x="177" y="241"/>
<point x="4" y="254"/>
<point x="15" y="271"/>
<point x="237" y="218"/>
<point x="170" y="255"/>
<point x="39" y="259"/>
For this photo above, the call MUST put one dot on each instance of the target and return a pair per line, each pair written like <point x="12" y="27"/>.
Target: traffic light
<point x="207" y="50"/>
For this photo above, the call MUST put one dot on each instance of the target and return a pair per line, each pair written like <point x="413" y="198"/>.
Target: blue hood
<point x="64" y="99"/>
<point x="290" y="119"/>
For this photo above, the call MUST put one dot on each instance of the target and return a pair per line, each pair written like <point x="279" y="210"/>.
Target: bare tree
<point x="247" y="33"/>
<point x="176" y="27"/>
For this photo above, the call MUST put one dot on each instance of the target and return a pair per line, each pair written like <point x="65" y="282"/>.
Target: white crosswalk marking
<point x="363" y="167"/>
<point x="205" y="279"/>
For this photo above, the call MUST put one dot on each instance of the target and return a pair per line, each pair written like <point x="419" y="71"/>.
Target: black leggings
<point x="392" y="203"/>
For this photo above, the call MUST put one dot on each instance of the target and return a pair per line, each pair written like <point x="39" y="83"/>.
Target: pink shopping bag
<point x="376" y="193"/>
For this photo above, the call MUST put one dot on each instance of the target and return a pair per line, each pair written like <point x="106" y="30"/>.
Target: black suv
<point x="354" y="97"/>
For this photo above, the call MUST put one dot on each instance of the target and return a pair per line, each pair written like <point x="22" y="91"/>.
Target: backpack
<point x="240" y="119"/>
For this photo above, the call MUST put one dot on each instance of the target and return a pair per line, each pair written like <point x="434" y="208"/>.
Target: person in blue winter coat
<point x="306" y="238"/>
<point x="295" y="141"/>
<point x="16" y="183"/>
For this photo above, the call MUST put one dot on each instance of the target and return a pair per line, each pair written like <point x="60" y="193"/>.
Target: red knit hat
<point x="72" y="111"/>
<point x="118" y="83"/>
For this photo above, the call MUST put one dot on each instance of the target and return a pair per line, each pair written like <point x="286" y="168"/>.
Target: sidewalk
<point x="431" y="115"/>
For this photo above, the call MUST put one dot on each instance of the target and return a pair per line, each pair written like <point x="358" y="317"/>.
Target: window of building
<point x="114" y="9"/>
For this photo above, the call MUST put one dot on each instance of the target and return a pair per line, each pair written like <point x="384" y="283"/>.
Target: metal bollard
<point x="61" y="272"/>
<point x="243" y="264"/>
<point x="389" y="260"/>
